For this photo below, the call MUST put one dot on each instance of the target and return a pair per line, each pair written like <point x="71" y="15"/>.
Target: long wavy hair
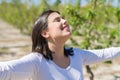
<point x="39" y="43"/>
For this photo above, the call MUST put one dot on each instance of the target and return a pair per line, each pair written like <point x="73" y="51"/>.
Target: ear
<point x="45" y="34"/>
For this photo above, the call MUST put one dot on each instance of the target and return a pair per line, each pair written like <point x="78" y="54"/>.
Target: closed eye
<point x="57" y="19"/>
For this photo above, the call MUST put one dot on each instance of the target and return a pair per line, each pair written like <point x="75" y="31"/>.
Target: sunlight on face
<point x="58" y="27"/>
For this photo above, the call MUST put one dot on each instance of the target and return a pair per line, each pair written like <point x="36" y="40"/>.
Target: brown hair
<point x="39" y="43"/>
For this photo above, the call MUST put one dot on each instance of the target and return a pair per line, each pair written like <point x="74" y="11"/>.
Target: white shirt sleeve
<point x="20" y="69"/>
<point x="93" y="56"/>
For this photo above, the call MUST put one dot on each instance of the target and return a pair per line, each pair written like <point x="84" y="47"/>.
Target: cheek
<point x="54" y="28"/>
<point x="54" y="31"/>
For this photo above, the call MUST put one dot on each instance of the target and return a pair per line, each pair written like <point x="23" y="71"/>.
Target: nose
<point x="64" y="21"/>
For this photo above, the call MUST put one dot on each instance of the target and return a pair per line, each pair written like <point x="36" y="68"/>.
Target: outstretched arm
<point x="93" y="56"/>
<point x="18" y="69"/>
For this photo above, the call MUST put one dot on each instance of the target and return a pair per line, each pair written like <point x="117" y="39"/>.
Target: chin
<point x="68" y="36"/>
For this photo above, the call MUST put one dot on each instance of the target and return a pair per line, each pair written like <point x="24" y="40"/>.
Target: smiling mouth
<point x="65" y="28"/>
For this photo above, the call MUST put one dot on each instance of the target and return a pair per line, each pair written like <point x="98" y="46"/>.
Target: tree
<point x="57" y="2"/>
<point x="44" y="5"/>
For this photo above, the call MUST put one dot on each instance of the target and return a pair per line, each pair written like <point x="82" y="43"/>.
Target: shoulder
<point x="32" y="57"/>
<point x="79" y="51"/>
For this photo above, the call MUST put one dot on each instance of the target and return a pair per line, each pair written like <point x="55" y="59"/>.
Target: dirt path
<point x="14" y="45"/>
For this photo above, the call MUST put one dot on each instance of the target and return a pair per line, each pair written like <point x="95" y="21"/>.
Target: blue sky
<point x="83" y="2"/>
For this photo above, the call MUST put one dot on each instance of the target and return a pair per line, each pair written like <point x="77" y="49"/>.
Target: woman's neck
<point x="58" y="55"/>
<point x="57" y="49"/>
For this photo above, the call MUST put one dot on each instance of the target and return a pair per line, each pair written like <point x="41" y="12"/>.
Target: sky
<point x="83" y="2"/>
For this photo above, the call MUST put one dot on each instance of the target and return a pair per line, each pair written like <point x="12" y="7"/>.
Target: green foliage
<point x="108" y="62"/>
<point x="20" y="14"/>
<point x="96" y="25"/>
<point x="57" y="3"/>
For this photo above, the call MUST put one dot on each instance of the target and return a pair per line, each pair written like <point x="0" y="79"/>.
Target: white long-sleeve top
<point x="35" y="66"/>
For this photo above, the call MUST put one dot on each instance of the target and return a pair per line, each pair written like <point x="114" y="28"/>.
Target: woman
<point x="49" y="59"/>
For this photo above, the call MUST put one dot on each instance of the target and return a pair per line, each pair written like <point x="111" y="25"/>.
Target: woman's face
<point x="58" y="29"/>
